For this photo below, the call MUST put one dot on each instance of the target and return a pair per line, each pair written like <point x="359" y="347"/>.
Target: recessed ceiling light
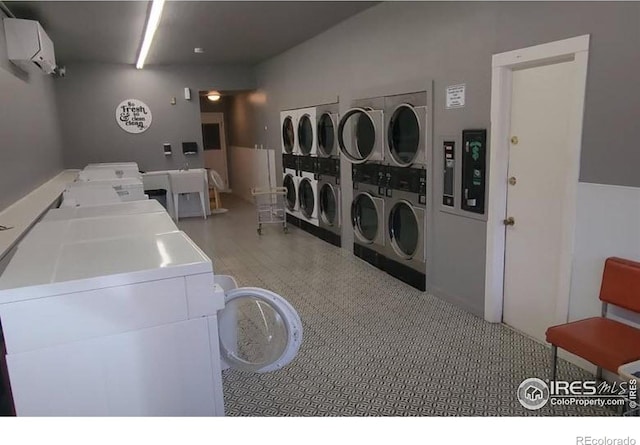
<point x="152" y="25"/>
<point x="198" y="50"/>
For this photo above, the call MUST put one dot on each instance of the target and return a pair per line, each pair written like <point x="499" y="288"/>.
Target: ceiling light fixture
<point x="213" y="96"/>
<point x="152" y="25"/>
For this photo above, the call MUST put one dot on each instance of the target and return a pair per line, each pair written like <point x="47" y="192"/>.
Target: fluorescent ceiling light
<point x="213" y="96"/>
<point x="152" y="25"/>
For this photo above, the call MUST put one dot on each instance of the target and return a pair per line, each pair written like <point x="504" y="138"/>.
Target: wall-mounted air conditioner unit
<point x="27" y="43"/>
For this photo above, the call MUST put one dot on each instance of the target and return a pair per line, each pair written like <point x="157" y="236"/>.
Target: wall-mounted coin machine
<point x="474" y="150"/>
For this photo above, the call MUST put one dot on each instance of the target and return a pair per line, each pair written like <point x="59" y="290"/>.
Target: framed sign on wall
<point x="133" y="116"/>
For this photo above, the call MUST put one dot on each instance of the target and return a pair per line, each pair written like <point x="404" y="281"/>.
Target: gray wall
<point x="400" y="44"/>
<point x="243" y="119"/>
<point x="89" y="94"/>
<point x="30" y="144"/>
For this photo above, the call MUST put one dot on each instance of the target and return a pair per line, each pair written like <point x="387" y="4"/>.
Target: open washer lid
<point x="259" y="330"/>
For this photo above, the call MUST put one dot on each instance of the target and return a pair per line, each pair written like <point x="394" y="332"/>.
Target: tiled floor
<point x="373" y="346"/>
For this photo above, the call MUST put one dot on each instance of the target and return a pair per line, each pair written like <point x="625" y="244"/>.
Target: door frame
<point x="217" y="117"/>
<point x="503" y="64"/>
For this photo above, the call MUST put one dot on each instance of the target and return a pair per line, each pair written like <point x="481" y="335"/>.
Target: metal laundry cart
<point x="270" y="206"/>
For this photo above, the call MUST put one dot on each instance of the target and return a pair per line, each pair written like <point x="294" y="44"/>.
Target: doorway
<point x="215" y="145"/>
<point x="536" y="126"/>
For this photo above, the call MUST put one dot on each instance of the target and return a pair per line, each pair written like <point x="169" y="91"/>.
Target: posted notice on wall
<point x="455" y="96"/>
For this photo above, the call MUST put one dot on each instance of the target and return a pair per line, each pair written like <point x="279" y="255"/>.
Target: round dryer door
<point x="326" y="134"/>
<point x="305" y="134"/>
<point x="403" y="135"/>
<point x="364" y="217"/>
<point x="307" y="198"/>
<point x="288" y="135"/>
<point x="357" y="135"/>
<point x="291" y="192"/>
<point x="404" y="231"/>
<point x="259" y="330"/>
<point x="328" y="205"/>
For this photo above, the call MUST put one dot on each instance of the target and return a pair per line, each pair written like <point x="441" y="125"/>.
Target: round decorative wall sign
<point x="133" y="116"/>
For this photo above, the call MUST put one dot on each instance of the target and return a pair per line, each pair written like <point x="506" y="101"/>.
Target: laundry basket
<point x="270" y="206"/>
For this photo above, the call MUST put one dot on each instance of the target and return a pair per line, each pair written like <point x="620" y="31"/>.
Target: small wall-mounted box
<point x="187" y="94"/>
<point x="167" y="149"/>
<point x="190" y="148"/>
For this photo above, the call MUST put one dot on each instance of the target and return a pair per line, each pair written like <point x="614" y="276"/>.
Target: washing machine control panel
<point x="329" y="170"/>
<point x="368" y="173"/>
<point x="308" y="164"/>
<point x="412" y="180"/>
<point x="290" y="161"/>
<point x="329" y="166"/>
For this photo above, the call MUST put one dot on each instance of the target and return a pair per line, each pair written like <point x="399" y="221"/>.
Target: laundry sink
<point x="188" y="181"/>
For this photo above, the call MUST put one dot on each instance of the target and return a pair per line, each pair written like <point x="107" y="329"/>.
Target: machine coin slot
<point x="449" y="173"/>
<point x="473" y="170"/>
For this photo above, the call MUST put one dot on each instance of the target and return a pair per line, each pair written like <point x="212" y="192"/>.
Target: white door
<point x="215" y="144"/>
<point x="539" y="159"/>
<point x="259" y="330"/>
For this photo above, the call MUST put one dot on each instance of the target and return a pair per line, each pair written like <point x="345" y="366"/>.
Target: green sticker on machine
<point x="475" y="150"/>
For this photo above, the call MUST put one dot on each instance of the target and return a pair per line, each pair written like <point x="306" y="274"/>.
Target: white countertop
<point x="22" y="214"/>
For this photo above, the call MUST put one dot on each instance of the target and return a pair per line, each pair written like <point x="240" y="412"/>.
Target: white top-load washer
<point x="110" y="170"/>
<point x="63" y="231"/>
<point x="102" y="174"/>
<point x="112" y="164"/>
<point x="119" y="208"/>
<point x="97" y="324"/>
<point x="91" y="193"/>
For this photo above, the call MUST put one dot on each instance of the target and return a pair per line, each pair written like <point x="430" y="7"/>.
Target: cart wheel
<point x="259" y="230"/>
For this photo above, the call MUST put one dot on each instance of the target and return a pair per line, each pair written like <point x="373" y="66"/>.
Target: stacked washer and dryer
<point x="386" y="139"/>
<point x="311" y="170"/>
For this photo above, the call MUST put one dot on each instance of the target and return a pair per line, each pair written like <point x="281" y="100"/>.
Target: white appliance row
<point x="310" y="131"/>
<point x="109" y="183"/>
<point x="301" y="199"/>
<point x="106" y="183"/>
<point x="393" y="130"/>
<point x="112" y="311"/>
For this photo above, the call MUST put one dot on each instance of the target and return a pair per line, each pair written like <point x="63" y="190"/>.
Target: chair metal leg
<point x="599" y="374"/>
<point x="554" y="361"/>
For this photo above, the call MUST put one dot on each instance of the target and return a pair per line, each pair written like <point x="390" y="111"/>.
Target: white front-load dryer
<point x="306" y="132"/>
<point x="327" y="120"/>
<point x="288" y="132"/>
<point x="308" y="197"/>
<point x="407" y="130"/>
<point x="290" y="181"/>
